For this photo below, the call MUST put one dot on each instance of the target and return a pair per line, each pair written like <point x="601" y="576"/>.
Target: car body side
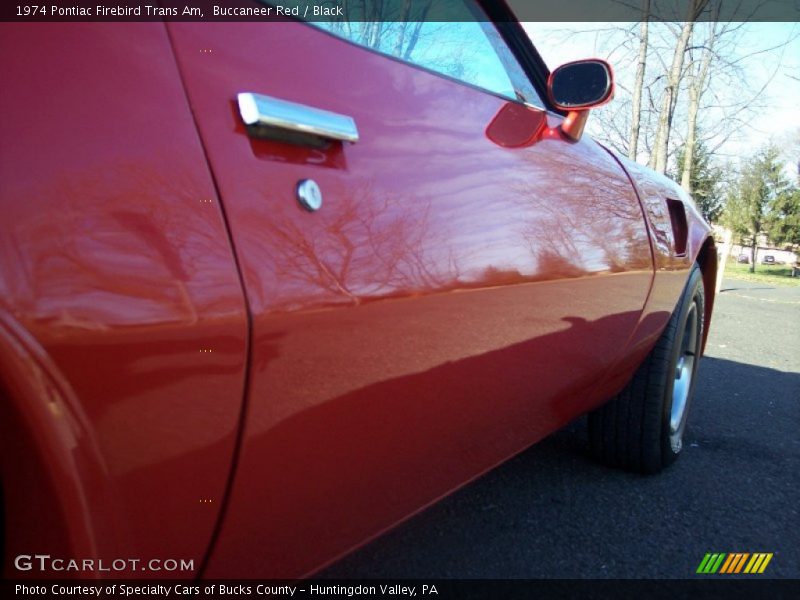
<point x="152" y="361"/>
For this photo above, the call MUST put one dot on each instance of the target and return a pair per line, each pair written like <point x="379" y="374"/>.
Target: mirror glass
<point x="580" y="84"/>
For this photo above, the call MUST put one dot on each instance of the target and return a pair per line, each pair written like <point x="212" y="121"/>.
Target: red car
<point x="269" y="288"/>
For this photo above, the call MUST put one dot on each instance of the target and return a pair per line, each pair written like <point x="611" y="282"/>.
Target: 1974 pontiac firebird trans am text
<point x="269" y="288"/>
<point x="148" y="10"/>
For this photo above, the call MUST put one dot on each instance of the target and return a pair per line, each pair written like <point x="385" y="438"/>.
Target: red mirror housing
<point x="577" y="87"/>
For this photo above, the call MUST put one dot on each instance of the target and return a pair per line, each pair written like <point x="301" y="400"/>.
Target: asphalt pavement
<point x="552" y="512"/>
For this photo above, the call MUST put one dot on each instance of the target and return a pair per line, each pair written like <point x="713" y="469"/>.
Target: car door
<point x="469" y="276"/>
<point x="123" y="327"/>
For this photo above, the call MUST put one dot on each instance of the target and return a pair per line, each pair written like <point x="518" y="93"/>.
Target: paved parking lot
<point x="552" y="512"/>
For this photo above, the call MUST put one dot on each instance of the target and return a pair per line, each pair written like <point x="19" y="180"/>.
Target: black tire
<point x="637" y="430"/>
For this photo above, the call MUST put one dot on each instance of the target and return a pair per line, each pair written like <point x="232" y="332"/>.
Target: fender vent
<point x="680" y="230"/>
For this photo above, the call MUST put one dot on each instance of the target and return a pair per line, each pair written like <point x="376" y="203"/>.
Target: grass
<point x="770" y="274"/>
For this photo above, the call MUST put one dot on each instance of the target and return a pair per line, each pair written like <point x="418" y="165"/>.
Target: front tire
<point x="642" y="428"/>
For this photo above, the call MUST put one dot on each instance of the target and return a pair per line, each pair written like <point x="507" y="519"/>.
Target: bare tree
<point x="641" y="64"/>
<point x="669" y="97"/>
<point x="698" y="74"/>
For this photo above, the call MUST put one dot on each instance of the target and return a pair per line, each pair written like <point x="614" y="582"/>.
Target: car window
<point x="453" y="38"/>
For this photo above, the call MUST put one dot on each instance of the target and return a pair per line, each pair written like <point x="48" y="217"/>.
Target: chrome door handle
<point x="271" y="118"/>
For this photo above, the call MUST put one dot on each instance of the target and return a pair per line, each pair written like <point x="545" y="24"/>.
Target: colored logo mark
<point x="734" y="562"/>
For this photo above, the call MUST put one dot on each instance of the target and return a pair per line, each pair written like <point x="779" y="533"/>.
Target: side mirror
<point x="578" y="87"/>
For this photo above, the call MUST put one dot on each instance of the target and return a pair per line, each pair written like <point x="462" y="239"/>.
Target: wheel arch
<point x="46" y="456"/>
<point x="707" y="261"/>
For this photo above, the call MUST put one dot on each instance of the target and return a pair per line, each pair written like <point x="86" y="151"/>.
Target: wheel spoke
<point x="684" y="372"/>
